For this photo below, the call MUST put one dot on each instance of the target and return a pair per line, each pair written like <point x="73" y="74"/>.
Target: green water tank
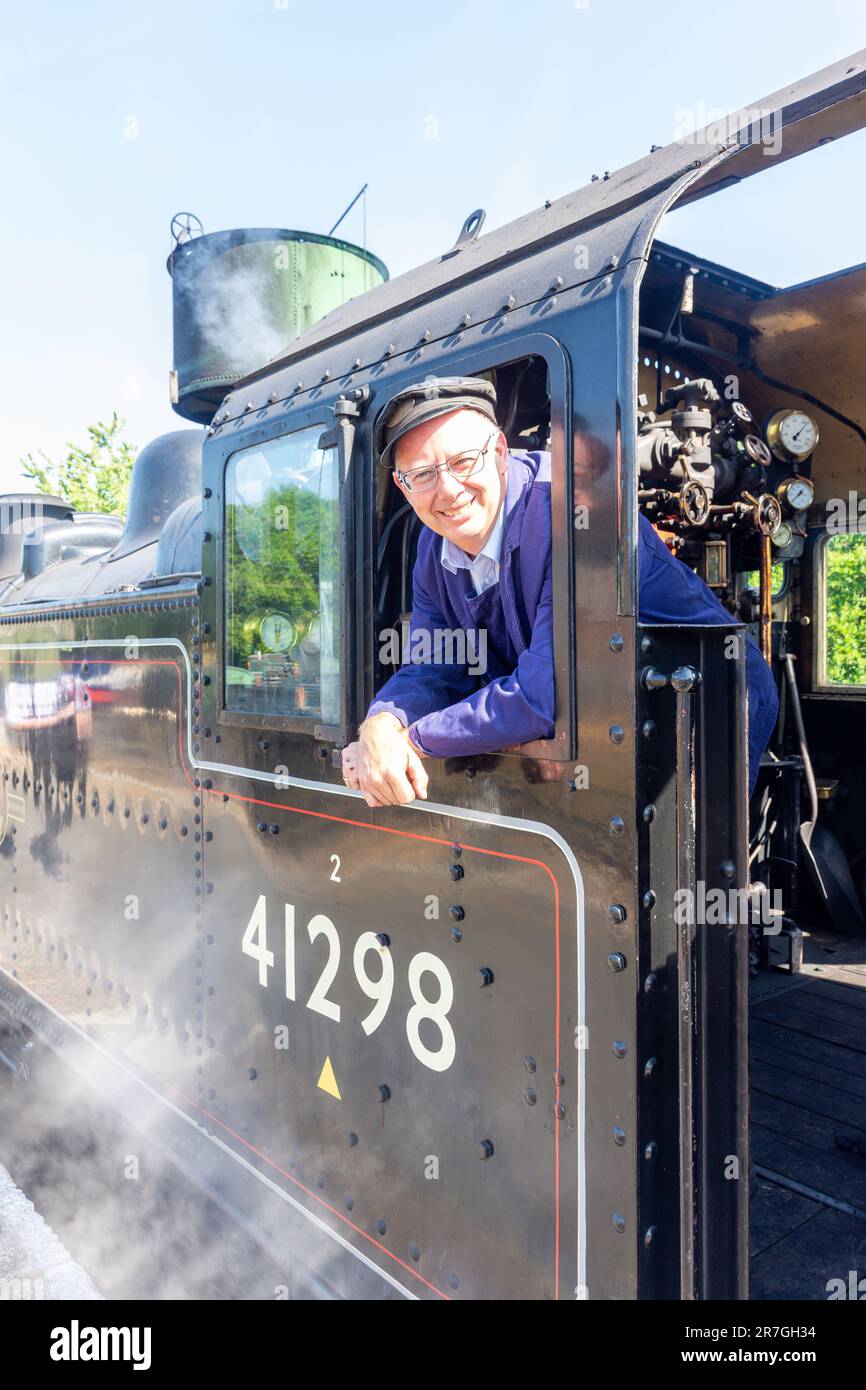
<point x="240" y="297"/>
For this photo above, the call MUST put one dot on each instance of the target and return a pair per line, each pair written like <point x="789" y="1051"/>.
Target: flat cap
<point x="426" y="400"/>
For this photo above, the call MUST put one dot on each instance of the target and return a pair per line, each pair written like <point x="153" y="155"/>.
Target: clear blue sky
<point x="274" y="112"/>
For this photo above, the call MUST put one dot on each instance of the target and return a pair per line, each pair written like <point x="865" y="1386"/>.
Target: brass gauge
<point x="797" y="494"/>
<point x="792" y="435"/>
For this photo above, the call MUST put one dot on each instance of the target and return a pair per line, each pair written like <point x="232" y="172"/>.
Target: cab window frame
<point x="561" y="747"/>
<point x="319" y="416"/>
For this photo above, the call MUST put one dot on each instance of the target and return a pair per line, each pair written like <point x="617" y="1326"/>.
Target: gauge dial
<point x="277" y="632"/>
<point x="784" y="535"/>
<point x="792" y="435"/>
<point x="797" y="493"/>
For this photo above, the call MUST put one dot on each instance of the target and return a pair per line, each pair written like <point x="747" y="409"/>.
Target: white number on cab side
<point x="380" y="990"/>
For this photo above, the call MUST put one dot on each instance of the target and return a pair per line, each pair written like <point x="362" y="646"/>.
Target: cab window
<point x="845" y="610"/>
<point x="282" y="581"/>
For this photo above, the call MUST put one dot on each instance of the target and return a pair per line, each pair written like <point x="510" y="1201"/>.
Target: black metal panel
<point x="398" y="1161"/>
<point x="693" y="1089"/>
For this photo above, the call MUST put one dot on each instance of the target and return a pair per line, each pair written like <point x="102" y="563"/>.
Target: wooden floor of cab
<point x="808" y="1124"/>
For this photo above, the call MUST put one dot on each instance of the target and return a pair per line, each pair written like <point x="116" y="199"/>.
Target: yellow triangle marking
<point x="327" y="1081"/>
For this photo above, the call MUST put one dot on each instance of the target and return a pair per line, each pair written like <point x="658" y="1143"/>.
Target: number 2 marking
<point x="335" y="876"/>
<point x="320" y="925"/>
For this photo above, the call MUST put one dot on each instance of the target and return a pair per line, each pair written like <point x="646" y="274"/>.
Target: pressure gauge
<point x="277" y="632"/>
<point x="784" y="535"/>
<point x="792" y="435"/>
<point x="797" y="493"/>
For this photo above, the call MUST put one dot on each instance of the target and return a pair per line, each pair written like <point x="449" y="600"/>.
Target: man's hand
<point x="384" y="764"/>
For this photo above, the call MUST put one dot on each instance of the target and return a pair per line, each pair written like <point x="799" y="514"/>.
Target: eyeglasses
<point x="461" y="466"/>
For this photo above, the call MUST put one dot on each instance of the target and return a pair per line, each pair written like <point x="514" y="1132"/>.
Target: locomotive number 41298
<point x="255" y="944"/>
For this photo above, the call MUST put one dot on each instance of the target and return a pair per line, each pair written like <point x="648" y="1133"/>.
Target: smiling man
<point x="483" y="570"/>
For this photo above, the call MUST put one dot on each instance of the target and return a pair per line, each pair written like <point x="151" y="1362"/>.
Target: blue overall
<point x="452" y="713"/>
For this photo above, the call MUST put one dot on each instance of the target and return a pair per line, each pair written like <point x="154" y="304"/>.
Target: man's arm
<point x="510" y="710"/>
<point x="420" y="687"/>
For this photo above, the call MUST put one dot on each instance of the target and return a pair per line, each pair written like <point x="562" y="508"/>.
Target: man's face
<point x="462" y="511"/>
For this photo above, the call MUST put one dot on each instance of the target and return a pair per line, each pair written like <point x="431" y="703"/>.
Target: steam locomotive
<point x="464" y="1049"/>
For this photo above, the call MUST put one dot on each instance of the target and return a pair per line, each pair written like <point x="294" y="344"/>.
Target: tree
<point x="91" y="479"/>
<point x="846" y="609"/>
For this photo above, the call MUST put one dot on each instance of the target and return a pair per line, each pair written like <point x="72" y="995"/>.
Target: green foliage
<point x="273" y="564"/>
<point x="94" y="478"/>
<point x="846" y="610"/>
<point x="752" y="578"/>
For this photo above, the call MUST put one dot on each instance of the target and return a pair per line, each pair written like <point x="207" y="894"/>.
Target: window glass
<point x="282" y="620"/>
<point x="751" y="579"/>
<point x="845" y="610"/>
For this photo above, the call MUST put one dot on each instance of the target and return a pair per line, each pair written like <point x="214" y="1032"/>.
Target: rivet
<point x="617" y="825"/>
<point x="485" y="1149"/>
<point x="486" y="975"/>
<point x="383" y="938"/>
<point x="650" y="1235"/>
<point x="425" y="336"/>
<point x="618" y="1049"/>
<point x="456" y="912"/>
<point x="651" y="1151"/>
<point x="646" y="645"/>
<point x="616" y="642"/>
<point x="618" y="1221"/>
<point x="649" y="814"/>
<point x="616" y="913"/>
<point x="252" y="1073"/>
<point x="649" y="729"/>
<point x="457" y="871"/>
<point x="453" y="1281"/>
<point x="530" y="1096"/>
<point x="557" y="282"/>
<point x="617" y="733"/>
<point x="559" y="1110"/>
<point x="466" y="320"/>
<point x="649" y="898"/>
<point x="273" y="829"/>
<point x="351" y="1140"/>
<point x="381" y="1227"/>
<point x="470" y="773"/>
<point x="650" y="983"/>
<point x="384" y="1094"/>
<point x="616" y="961"/>
<point x="456" y="851"/>
<point x="530" y="1064"/>
<point x="456" y="933"/>
<point x="727" y="868"/>
<point x="650" y="1067"/>
<point x="618" y="1135"/>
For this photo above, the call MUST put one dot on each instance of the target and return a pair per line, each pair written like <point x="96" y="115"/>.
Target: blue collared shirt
<point x="483" y="567"/>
